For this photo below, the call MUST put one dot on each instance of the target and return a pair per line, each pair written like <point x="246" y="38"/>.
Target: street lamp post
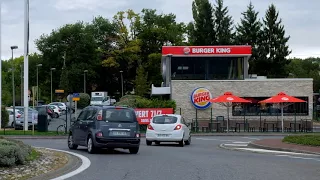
<point x="121" y="83"/>
<point x="38" y="65"/>
<point x="13" y="88"/>
<point x="21" y="68"/>
<point x="52" y="69"/>
<point x="84" y="80"/>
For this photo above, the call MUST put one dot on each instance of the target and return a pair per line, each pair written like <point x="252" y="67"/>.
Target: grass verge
<point x="22" y="132"/>
<point x="309" y="140"/>
<point x="34" y="155"/>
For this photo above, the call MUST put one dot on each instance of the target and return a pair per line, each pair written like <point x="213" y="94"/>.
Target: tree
<point x="274" y="45"/>
<point x="141" y="81"/>
<point x="201" y="30"/>
<point x="223" y="24"/>
<point x="249" y="32"/>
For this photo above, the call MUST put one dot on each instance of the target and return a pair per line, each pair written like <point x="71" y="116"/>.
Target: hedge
<point x="84" y="100"/>
<point x="4" y="117"/>
<point x="309" y="140"/>
<point x="140" y="102"/>
<point x="13" y="152"/>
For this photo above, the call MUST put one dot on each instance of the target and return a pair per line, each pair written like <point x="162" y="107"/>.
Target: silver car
<point x="32" y="118"/>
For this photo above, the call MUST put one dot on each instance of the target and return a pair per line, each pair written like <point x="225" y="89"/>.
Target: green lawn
<point x="309" y="140"/>
<point x="21" y="132"/>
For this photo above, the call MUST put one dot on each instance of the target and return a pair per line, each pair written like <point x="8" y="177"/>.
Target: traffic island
<point x="19" y="161"/>
<point x="279" y="145"/>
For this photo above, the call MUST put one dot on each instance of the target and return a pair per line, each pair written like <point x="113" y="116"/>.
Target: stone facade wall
<point x="182" y="89"/>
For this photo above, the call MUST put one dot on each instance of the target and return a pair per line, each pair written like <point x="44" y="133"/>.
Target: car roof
<point x="174" y="115"/>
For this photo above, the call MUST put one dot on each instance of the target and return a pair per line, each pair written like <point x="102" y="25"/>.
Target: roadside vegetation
<point x="14" y="153"/>
<point x="309" y="140"/>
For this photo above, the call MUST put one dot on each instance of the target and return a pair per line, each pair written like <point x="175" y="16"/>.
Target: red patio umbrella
<point x="284" y="100"/>
<point x="226" y="100"/>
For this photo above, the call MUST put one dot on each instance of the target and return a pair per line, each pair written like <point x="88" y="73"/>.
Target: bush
<point x="310" y="140"/>
<point x="140" y="102"/>
<point x="4" y="117"/>
<point x="84" y="100"/>
<point x="13" y="152"/>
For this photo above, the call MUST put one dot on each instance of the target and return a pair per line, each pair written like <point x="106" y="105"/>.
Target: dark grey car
<point x="105" y="127"/>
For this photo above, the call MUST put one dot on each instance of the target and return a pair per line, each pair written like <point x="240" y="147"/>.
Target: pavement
<point x="202" y="160"/>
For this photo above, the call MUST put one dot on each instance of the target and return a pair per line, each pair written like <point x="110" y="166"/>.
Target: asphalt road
<point x="202" y="160"/>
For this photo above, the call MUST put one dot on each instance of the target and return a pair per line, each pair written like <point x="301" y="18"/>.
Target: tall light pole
<point x="121" y="83"/>
<point x="13" y="85"/>
<point x="38" y="65"/>
<point x="52" y="69"/>
<point x="84" y="81"/>
<point x="0" y="68"/>
<point x="21" y="84"/>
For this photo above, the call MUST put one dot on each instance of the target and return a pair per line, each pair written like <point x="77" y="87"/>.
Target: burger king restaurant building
<point x="193" y="75"/>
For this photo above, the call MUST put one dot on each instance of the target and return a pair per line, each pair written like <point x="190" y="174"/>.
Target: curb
<point x="254" y="145"/>
<point x="73" y="164"/>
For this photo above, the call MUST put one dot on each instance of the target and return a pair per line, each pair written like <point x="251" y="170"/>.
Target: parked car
<point x="105" y="127"/>
<point x="18" y="116"/>
<point x="32" y="118"/>
<point x="61" y="105"/>
<point x="168" y="128"/>
<point x="50" y="111"/>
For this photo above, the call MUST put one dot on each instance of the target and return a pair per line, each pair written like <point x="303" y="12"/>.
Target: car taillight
<point x="59" y="110"/>
<point x="178" y="127"/>
<point x="19" y="115"/>
<point x="150" y="127"/>
<point x="99" y="134"/>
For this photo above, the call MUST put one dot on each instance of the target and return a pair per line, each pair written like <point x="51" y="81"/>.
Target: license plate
<point x="163" y="135"/>
<point x="119" y="133"/>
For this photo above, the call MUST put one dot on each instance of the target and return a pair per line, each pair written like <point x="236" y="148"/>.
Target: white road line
<point x="272" y="151"/>
<point x="85" y="164"/>
<point x="241" y="142"/>
<point x="242" y="145"/>
<point x="251" y="138"/>
<point x="296" y="157"/>
<point x="206" y="139"/>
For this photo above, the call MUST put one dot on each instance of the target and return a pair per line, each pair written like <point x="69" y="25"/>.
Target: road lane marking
<point x="238" y="145"/>
<point x="241" y="142"/>
<point x="85" y="164"/>
<point x="272" y="151"/>
<point x="206" y="139"/>
<point x="297" y="157"/>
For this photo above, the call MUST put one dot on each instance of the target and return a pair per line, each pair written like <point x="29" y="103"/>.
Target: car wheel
<point x="188" y="142"/>
<point x="12" y="124"/>
<point x="71" y="144"/>
<point x="56" y="115"/>
<point x="157" y="143"/>
<point x="90" y="146"/>
<point x="134" y="150"/>
<point x="181" y="143"/>
<point x="149" y="143"/>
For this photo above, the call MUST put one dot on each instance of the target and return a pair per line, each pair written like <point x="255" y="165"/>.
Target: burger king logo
<point x="186" y="50"/>
<point x="200" y="98"/>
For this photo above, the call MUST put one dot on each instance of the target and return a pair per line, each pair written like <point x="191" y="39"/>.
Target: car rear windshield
<point x="164" y="120"/>
<point x="119" y="115"/>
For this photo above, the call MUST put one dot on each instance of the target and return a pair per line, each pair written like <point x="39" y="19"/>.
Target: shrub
<point x="140" y="102"/>
<point x="310" y="140"/>
<point x="4" y="117"/>
<point x="13" y="152"/>
<point x="84" y="100"/>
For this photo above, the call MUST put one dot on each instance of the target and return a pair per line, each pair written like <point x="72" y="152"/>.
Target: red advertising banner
<point x="206" y="50"/>
<point x="144" y="115"/>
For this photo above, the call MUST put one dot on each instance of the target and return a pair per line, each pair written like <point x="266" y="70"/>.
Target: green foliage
<point x="141" y="82"/>
<point x="13" y="152"/>
<point x="84" y="100"/>
<point x="4" y="117"/>
<point x="310" y="140"/>
<point x="135" y="101"/>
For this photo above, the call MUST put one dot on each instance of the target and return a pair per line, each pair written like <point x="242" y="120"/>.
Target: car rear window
<point x="119" y="115"/>
<point x="164" y="120"/>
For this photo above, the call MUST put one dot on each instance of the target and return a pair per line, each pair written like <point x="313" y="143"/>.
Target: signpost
<point x="75" y="98"/>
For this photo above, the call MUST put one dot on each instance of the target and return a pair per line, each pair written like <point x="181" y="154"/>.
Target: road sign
<point x="58" y="91"/>
<point x="75" y="99"/>
<point x="76" y="95"/>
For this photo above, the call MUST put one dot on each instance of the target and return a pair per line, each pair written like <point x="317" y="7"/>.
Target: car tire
<point x="71" y="144"/>
<point x="90" y="146"/>
<point x="56" y="115"/>
<point x="188" y="142"/>
<point x="149" y="143"/>
<point x="134" y="150"/>
<point x="181" y="143"/>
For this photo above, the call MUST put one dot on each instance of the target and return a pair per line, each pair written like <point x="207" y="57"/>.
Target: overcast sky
<point x="301" y="18"/>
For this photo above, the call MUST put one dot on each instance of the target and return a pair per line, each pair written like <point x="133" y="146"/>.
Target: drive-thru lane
<point x="202" y="160"/>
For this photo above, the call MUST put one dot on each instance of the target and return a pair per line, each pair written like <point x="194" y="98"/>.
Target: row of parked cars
<point x="54" y="110"/>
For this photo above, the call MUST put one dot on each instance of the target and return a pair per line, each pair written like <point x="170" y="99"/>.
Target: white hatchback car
<point x="168" y="128"/>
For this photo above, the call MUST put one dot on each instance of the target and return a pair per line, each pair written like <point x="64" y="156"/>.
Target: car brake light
<point x="19" y="115"/>
<point x="178" y="127"/>
<point x="150" y="127"/>
<point x="99" y="134"/>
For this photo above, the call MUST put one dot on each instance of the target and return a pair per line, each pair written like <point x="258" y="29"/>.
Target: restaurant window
<point x="206" y="68"/>
<point x="257" y="109"/>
